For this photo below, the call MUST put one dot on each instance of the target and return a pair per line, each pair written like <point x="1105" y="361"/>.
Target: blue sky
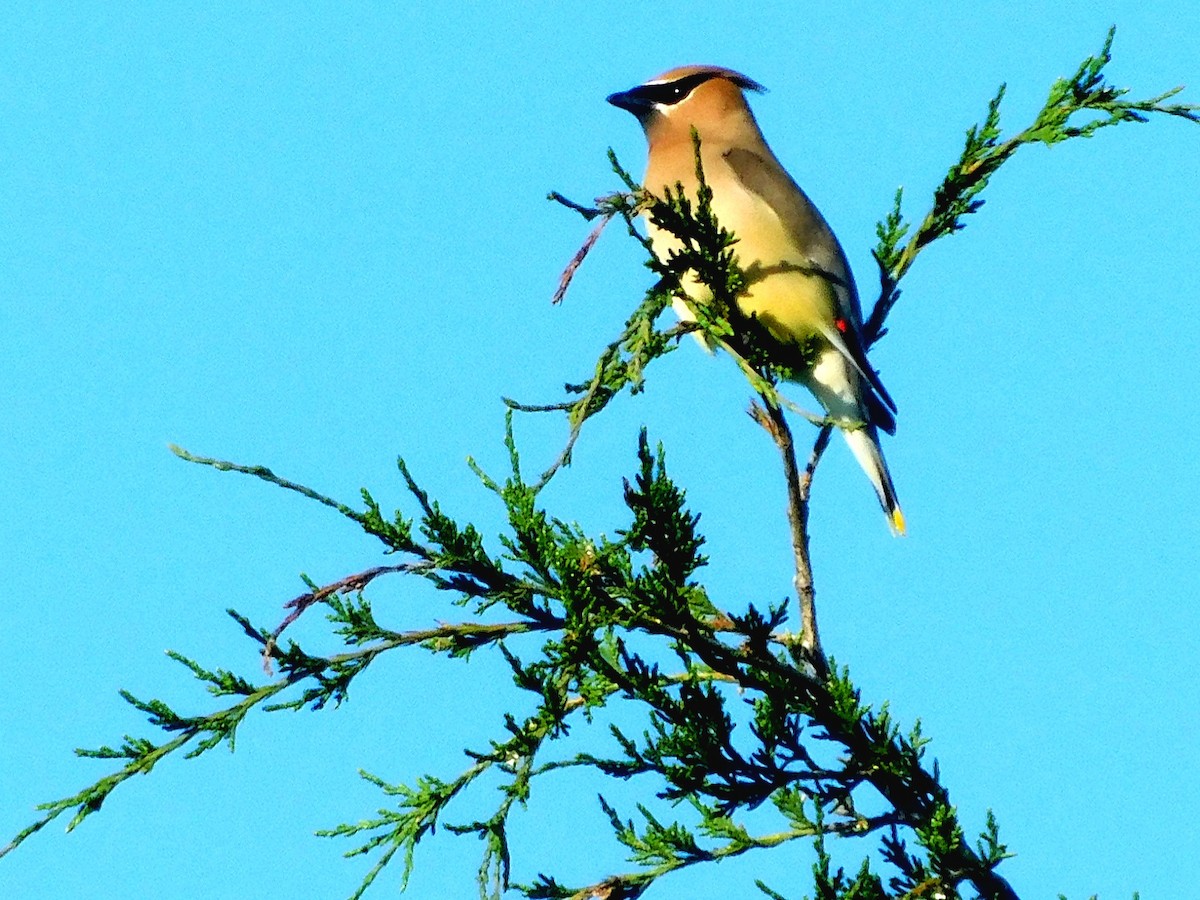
<point x="315" y="238"/>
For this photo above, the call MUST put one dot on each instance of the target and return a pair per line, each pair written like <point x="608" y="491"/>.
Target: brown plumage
<point x="799" y="284"/>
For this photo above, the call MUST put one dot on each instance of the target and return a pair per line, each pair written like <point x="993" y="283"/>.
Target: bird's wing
<point x="767" y="179"/>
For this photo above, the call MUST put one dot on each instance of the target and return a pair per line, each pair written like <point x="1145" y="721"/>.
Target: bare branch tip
<point x="568" y="274"/>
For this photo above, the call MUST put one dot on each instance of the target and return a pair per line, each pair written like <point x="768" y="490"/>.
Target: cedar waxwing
<point x="798" y="282"/>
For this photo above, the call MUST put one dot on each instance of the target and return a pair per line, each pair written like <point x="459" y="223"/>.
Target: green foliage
<point x="724" y="712"/>
<point x="1069" y="102"/>
<point x="705" y="253"/>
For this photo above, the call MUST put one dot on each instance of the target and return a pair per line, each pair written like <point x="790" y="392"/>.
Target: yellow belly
<point x="793" y="304"/>
<point x="790" y="299"/>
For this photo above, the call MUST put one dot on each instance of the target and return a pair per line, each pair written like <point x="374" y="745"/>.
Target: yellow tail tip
<point x="898" y="524"/>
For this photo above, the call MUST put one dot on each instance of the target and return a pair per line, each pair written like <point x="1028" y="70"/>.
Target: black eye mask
<point x="671" y="92"/>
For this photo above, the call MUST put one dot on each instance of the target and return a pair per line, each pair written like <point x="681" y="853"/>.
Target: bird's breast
<point x="784" y="290"/>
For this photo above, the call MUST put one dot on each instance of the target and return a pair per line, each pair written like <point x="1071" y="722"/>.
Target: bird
<point x="799" y="292"/>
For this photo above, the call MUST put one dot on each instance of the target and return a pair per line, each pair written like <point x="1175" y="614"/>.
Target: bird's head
<point x="709" y="99"/>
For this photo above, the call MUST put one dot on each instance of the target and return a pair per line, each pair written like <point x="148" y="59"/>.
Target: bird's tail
<point x="864" y="444"/>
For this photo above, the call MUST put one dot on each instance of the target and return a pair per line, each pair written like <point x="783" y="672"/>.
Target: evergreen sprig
<point x="1085" y="93"/>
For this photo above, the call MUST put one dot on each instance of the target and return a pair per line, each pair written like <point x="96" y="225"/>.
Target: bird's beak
<point x="630" y="101"/>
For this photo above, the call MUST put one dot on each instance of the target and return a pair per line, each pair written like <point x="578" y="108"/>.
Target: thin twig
<point x="265" y="474"/>
<point x="298" y="605"/>
<point x="517" y="405"/>
<point x="770" y="416"/>
<point x="588" y="212"/>
<point x="564" y="280"/>
<point x="814" y="458"/>
<point x="579" y="413"/>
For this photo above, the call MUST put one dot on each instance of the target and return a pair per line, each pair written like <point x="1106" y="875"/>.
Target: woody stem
<point x="770" y="417"/>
